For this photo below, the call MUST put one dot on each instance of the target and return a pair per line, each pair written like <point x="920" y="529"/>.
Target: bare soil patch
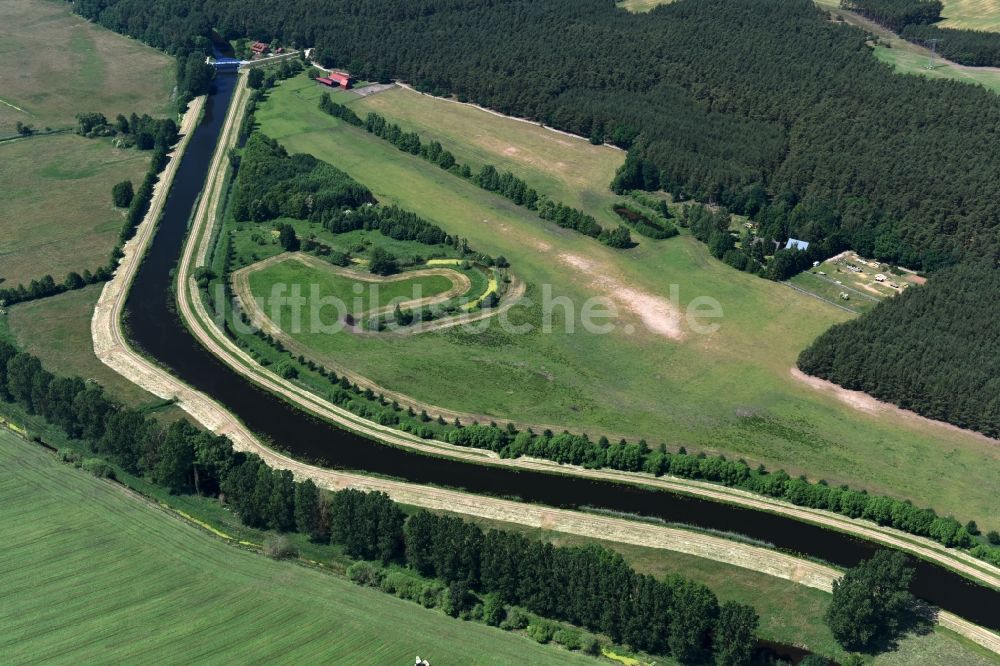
<point x="865" y="403"/>
<point x="658" y="314"/>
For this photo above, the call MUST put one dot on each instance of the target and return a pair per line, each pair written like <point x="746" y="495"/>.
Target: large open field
<point x="730" y="390"/>
<point x="568" y="169"/>
<point x="56" y="213"/>
<point x="971" y="15"/>
<point x="92" y="572"/>
<point x="642" y="5"/>
<point x="57" y="64"/>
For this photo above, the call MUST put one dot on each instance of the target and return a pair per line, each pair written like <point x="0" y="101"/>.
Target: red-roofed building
<point x="341" y="78"/>
<point x="335" y="78"/>
<point x="260" y="48"/>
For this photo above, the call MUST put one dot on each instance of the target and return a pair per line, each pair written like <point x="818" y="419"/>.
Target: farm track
<point x="115" y="352"/>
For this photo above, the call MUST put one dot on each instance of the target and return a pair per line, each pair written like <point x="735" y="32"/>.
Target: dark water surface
<point x="155" y="327"/>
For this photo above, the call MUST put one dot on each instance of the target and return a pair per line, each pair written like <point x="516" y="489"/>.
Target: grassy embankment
<point x="726" y="391"/>
<point x="97" y="574"/>
<point x="56" y="213"/>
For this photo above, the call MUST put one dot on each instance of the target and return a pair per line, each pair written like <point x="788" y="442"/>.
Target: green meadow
<point x="56" y="213"/>
<point x="57" y="64"/>
<point x="567" y="168"/>
<point x="349" y="291"/>
<point x="94" y="574"/>
<point x="730" y="390"/>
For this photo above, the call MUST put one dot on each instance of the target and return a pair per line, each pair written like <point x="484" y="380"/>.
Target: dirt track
<point x="114" y="351"/>
<point x="460" y="284"/>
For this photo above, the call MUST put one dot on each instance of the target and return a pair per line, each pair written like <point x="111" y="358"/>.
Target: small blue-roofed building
<point x="795" y="244"/>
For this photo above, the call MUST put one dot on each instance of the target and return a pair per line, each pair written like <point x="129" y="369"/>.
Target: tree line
<point x="974" y="48"/>
<point x="896" y="14"/>
<point x="915" y="20"/>
<point x="934" y="349"/>
<point x="591" y="587"/>
<point x="566" y="448"/>
<point x="657" y="229"/>
<point x="144" y="132"/>
<point x="270" y="183"/>
<point x="505" y="184"/>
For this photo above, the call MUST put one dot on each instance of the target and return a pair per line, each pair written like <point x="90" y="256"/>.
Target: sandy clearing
<point x="863" y="402"/>
<point x="658" y="314"/>
<point x="856" y="399"/>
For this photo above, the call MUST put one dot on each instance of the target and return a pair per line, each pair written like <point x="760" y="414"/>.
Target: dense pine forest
<point x="897" y="14"/>
<point x="764" y="106"/>
<point x="933" y="349"/>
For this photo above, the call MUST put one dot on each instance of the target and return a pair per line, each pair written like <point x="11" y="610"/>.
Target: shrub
<point x="71" y="457"/>
<point x="541" y="631"/>
<point x="122" y="194"/>
<point x="279" y="547"/>
<point x="568" y="638"/>
<point x="402" y="585"/>
<point x="430" y="595"/>
<point x="516" y="620"/>
<point x="366" y="574"/>
<point x="591" y="646"/>
<point x="494" y="612"/>
<point x="99" y="468"/>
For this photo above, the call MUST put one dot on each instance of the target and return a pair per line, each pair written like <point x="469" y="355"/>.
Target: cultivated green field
<point x="56" y="213"/>
<point x="971" y="15"/>
<point x="57" y="64"/>
<point x="730" y="390"/>
<point x="94" y="575"/>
